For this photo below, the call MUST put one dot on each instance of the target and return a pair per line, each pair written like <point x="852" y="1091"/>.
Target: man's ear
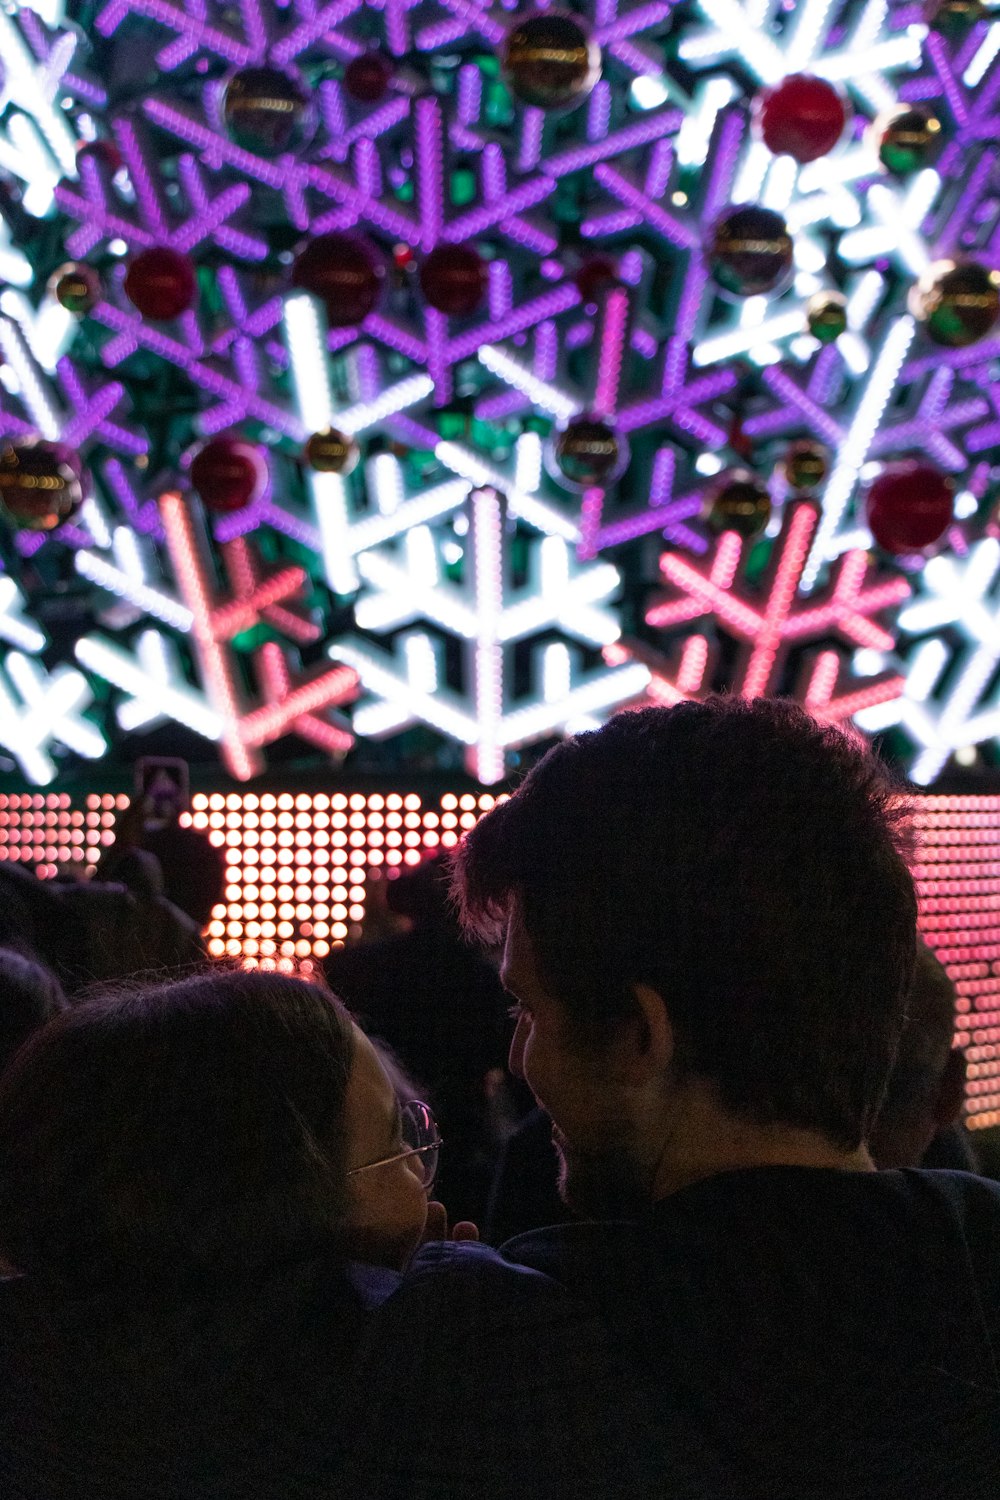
<point x="951" y="1094"/>
<point x="653" y="1034"/>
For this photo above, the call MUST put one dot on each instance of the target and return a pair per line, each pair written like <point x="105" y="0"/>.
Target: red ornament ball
<point x="801" y="116"/>
<point x="344" y="272"/>
<point x="161" y="283"/>
<point x="453" y="278"/>
<point x="909" y="505"/>
<point x="104" y="152"/>
<point x="366" y="78"/>
<point x="595" y="276"/>
<point x="228" y="474"/>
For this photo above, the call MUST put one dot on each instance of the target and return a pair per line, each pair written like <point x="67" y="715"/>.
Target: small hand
<point x="436" y="1227"/>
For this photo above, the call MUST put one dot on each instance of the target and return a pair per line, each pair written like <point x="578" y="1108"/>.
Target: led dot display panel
<point x="300" y="867"/>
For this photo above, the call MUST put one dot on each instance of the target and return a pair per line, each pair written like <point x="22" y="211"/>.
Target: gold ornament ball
<point x="953" y="18"/>
<point x="957" y="301"/>
<point x="806" y="464"/>
<point x="550" y="61"/>
<point x="332" y="452"/>
<point x="906" y="140"/>
<point x="826" y="316"/>
<point x="738" y="501"/>
<point x="41" y="484"/>
<point x="588" y="451"/>
<point x="76" y="287"/>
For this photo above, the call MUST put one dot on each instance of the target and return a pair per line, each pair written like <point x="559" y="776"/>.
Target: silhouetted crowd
<point x="628" y="1160"/>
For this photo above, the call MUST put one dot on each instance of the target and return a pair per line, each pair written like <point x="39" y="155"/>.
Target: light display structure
<point x="455" y="573"/>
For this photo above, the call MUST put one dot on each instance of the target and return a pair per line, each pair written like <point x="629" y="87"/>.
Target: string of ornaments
<point x="550" y="61"/>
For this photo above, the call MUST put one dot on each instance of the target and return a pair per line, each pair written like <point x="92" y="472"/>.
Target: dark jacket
<point x="231" y="1395"/>
<point x="773" y="1334"/>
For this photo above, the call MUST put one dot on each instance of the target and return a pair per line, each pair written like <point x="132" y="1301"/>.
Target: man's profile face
<point x="600" y="1171"/>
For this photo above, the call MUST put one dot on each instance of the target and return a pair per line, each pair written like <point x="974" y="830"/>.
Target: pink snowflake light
<point x="287" y="707"/>
<point x="768" y="621"/>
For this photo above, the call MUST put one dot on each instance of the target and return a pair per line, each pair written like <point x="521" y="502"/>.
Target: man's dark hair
<point x="741" y="860"/>
<point x="186" y="1131"/>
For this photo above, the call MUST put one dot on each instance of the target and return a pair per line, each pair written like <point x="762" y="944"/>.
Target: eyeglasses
<point x="423" y="1142"/>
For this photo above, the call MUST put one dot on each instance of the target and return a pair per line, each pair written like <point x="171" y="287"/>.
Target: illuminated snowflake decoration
<point x="490" y="617"/>
<point x="769" y="620"/>
<point x="951" y="700"/>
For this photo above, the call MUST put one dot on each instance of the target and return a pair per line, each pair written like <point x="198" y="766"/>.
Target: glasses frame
<point x="407" y="1109"/>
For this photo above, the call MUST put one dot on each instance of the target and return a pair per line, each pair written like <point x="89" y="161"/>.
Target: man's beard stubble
<point x="606" y="1184"/>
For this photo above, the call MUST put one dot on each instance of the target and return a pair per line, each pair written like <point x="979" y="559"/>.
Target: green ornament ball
<point x="826" y="316"/>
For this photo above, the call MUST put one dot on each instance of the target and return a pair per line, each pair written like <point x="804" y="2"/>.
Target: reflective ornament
<point x="806" y="464"/>
<point x="909" y="505"/>
<point x="587" y="451"/>
<point x="738" y="501"/>
<point x="957" y="301"/>
<point x="160" y="283"/>
<point x="366" y="78"/>
<point x="344" y="272"/>
<point x="826" y="316"/>
<point x="41" y="483"/>
<point x="266" y="111"/>
<point x="228" y="473"/>
<point x="595" y="276"/>
<point x="76" y="287"/>
<point x="906" y="140"/>
<point x="549" y="60"/>
<point x="954" y="18"/>
<point x="104" y="152"/>
<point x="453" y="278"/>
<point x="750" y="251"/>
<point x="801" y="116"/>
<point x="332" y="452"/>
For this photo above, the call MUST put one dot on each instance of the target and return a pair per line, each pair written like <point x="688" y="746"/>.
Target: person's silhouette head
<point x="710" y="924"/>
<point x="926" y="1089"/>
<point x="201" y="1131"/>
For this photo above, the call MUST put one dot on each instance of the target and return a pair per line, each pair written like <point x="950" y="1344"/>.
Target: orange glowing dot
<point x="234" y="947"/>
<point x="412" y="857"/>
<point x="321" y="949"/>
<point x="412" y="801"/>
<point x="303" y="802"/>
<point x="356" y="913"/>
<point x="449" y="839"/>
<point x="216" y="948"/>
<point x="288" y="948"/>
<point x="268" y="801"/>
<point x="321" y="802"/>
